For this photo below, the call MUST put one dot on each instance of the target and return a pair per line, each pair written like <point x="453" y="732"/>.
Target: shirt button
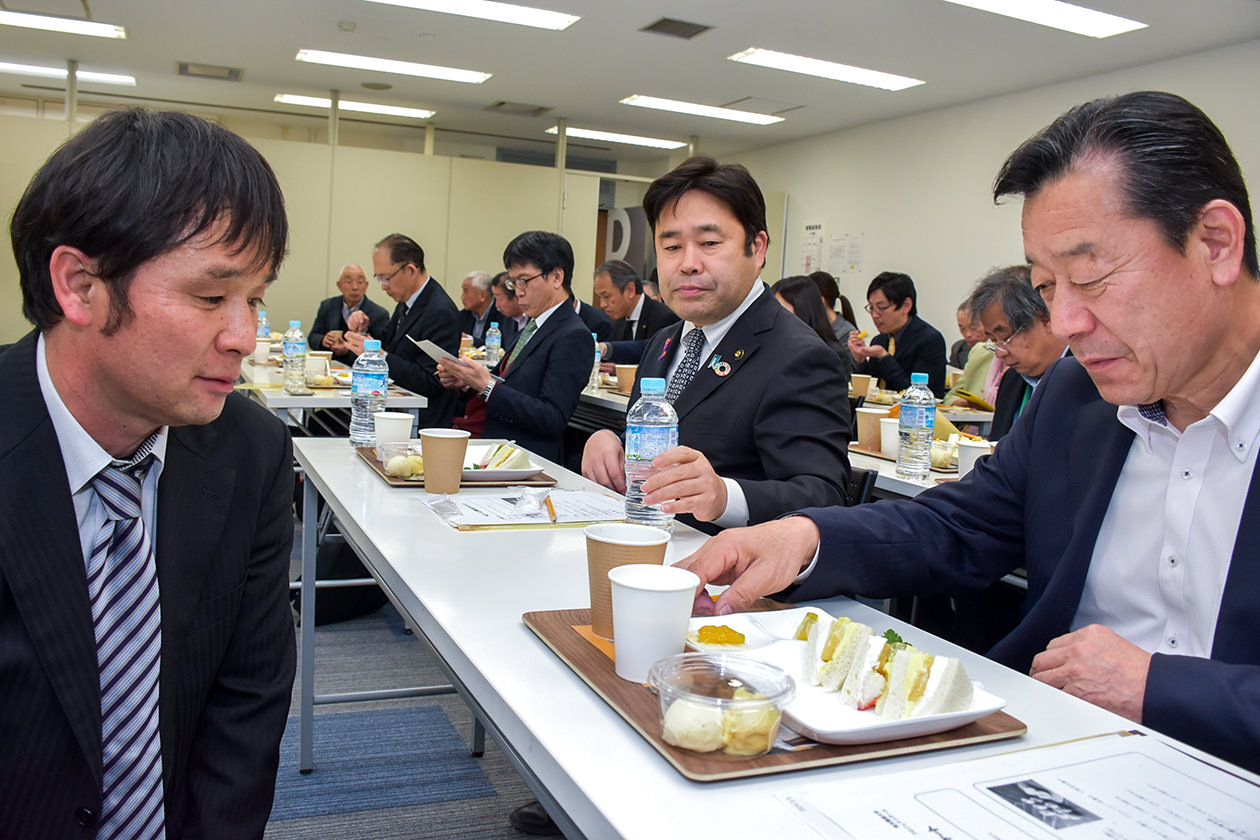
<point x="1240" y="445"/>
<point x="1173" y="641"/>
<point x="1172" y="561"/>
<point x="1187" y="474"/>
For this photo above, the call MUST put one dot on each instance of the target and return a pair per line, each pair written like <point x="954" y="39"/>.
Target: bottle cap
<point x="652" y="385"/>
<point x="371" y="345"/>
<point x="295" y="324"/>
<point x="494" y="325"/>
<point x="918" y="378"/>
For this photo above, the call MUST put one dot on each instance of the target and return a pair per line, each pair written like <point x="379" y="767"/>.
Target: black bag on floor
<point x="336" y="561"/>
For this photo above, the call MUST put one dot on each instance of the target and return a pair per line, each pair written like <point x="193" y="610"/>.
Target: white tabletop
<point x="265" y="383"/>
<point x="466" y="591"/>
<point x="604" y="398"/>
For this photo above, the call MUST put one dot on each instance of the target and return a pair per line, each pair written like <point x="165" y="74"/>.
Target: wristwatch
<point x="485" y="393"/>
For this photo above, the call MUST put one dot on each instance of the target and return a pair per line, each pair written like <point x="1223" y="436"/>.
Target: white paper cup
<point x="261" y="351"/>
<point x="889" y="436"/>
<point x="868" y="430"/>
<point x="651" y="611"/>
<point x="969" y="451"/>
<point x="392" y="426"/>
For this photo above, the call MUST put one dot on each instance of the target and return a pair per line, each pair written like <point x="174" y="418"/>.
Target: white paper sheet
<point x="572" y="506"/>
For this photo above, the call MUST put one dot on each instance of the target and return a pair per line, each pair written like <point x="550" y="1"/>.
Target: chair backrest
<point x="861" y="485"/>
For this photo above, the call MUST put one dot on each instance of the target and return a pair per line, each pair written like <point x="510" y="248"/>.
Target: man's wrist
<point x="485" y="392"/>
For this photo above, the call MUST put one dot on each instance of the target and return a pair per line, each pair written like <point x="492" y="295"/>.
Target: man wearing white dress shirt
<point x="1129" y="487"/>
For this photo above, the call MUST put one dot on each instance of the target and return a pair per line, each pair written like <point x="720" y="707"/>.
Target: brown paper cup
<point x="868" y="426"/>
<point x="625" y="378"/>
<point x="859" y="385"/>
<point x="443" y="451"/>
<point x="609" y="545"/>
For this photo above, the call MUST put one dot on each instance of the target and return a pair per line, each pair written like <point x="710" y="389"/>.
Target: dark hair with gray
<point x="548" y="251"/>
<point x="827" y="287"/>
<point x="1173" y="160"/>
<point x="622" y="274"/>
<point x="402" y="250"/>
<point x="896" y="287"/>
<point x="729" y="183"/>
<point x="1011" y="289"/>
<point x="497" y="282"/>
<point x="134" y="185"/>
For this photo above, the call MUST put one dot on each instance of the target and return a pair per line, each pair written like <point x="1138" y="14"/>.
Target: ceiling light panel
<point x="351" y="105"/>
<point x="62" y="73"/>
<point x="72" y="26"/>
<point x="824" y="69"/>
<point x="487" y="10"/>
<point x="1057" y="15"/>
<point x="613" y="137"/>
<point x="695" y="109"/>
<point x="387" y="65"/>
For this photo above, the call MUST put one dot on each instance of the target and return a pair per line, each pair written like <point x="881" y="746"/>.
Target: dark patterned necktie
<point x="395" y="323"/>
<point x="688" y="366"/>
<point x="123" y="588"/>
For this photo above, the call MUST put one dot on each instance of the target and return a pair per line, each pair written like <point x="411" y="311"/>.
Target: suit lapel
<point x="1236" y="623"/>
<point x="660" y="353"/>
<point x="724" y="362"/>
<point x="539" y="338"/>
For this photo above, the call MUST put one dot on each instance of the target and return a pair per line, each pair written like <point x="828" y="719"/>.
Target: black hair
<point x="896" y="287"/>
<point x="548" y="251"/>
<point x="496" y="282"/>
<point x="730" y="183"/>
<point x="827" y="287"/>
<point x="402" y="250"/>
<point x="801" y="292"/>
<point x="622" y="274"/>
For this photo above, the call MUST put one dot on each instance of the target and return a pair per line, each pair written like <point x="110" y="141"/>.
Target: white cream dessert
<point x="693" y="726"/>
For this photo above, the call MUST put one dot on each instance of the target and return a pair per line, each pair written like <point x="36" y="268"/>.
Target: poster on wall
<point x="846" y="254"/>
<point x="812" y="247"/>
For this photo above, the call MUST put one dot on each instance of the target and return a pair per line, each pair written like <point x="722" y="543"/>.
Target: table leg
<point x="310" y="528"/>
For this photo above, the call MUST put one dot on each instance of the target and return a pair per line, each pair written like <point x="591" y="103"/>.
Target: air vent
<point x="676" y="28"/>
<point x="517" y="109"/>
<point x="761" y="106"/>
<point x="209" y="71"/>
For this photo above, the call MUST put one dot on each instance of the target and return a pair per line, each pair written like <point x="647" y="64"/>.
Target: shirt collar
<point x="82" y="455"/>
<point x="638" y="309"/>
<point x="411" y="301"/>
<point x="547" y="313"/>
<point x="715" y="332"/>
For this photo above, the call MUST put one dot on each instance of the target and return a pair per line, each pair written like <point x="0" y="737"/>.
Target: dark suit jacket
<point x="468" y="322"/>
<point x="625" y="348"/>
<point x="224" y="530"/>
<point x="533" y="403"/>
<point x="1010" y="397"/>
<point x="329" y="318"/>
<point x="594" y="318"/>
<point x="920" y="349"/>
<point x="434" y="317"/>
<point x="1039" y="502"/>
<point x="778" y="423"/>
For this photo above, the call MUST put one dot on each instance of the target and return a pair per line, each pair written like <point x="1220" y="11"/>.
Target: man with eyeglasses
<point x="1129" y="489"/>
<point x="906" y="343"/>
<point x="533" y="391"/>
<point x="424" y="311"/>
<point x="1017" y="323"/>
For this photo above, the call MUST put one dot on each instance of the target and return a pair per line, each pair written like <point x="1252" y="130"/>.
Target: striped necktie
<point x="520" y="342"/>
<point x="123" y="588"/>
<point x="687" y="367"/>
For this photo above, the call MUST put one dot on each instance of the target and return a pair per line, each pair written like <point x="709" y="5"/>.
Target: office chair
<point x="861" y="486"/>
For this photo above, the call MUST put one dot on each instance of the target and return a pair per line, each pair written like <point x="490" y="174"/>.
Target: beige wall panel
<point x="776" y="206"/>
<point x="581" y="222"/>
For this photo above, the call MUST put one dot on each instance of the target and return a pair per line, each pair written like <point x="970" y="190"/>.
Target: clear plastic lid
<point x="371" y="345"/>
<point x="918" y="379"/>
<point x="652" y="385"/>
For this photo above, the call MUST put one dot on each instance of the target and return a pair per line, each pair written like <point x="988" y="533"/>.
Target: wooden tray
<point x="368" y="454"/>
<point x="875" y="453"/>
<point x="642" y="710"/>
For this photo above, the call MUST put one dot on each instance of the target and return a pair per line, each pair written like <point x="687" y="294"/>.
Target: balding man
<point x="334" y="315"/>
<point x="479" y="310"/>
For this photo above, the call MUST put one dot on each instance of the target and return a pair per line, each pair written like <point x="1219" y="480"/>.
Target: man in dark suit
<point x="906" y="343"/>
<point x="533" y="391"/>
<point x="479" y="311"/>
<point x="146" y="641"/>
<point x="635" y="316"/>
<point x="424" y="311"/>
<point x="336" y="313"/>
<point x="1129" y="488"/>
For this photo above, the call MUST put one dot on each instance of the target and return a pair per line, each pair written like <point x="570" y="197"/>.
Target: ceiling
<point x="582" y="72"/>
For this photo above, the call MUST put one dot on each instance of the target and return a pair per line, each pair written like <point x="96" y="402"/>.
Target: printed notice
<point x="1119" y="786"/>
<point x="482" y="510"/>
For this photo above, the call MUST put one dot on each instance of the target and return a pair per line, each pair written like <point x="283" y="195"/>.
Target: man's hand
<point x="685" y="482"/>
<point x="604" y="461"/>
<point x="1097" y="665"/>
<point x="358" y="321"/>
<point x="755" y="561"/>
<point x="859" y="348"/>
<point x="353" y="341"/>
<point x="330" y="341"/>
<point x="462" y="373"/>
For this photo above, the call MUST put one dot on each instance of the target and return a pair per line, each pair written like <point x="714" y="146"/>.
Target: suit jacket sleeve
<point x="412" y="368"/>
<point x="625" y="352"/>
<point x="567" y="367"/>
<point x="921" y="349"/>
<point x="326" y="318"/>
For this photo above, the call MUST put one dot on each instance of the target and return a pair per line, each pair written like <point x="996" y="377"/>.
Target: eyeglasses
<point x="514" y="283"/>
<point x="1003" y="346"/>
<point x="882" y="307"/>
<point x="388" y="277"/>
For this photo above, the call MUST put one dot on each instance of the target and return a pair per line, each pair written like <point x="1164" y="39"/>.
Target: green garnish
<point x="893" y="639"/>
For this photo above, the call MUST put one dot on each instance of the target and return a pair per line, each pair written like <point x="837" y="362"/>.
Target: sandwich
<point x="920" y="684"/>
<point x="505" y="456"/>
<point x="866" y="680"/>
<point x="845" y="642"/>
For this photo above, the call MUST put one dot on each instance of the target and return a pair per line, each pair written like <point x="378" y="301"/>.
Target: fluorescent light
<point x="357" y="107"/>
<point x="56" y="24"/>
<point x="487" y="10"/>
<point x="1057" y="15"/>
<point x="641" y="101"/>
<point x="613" y="137"/>
<point x="825" y="69"/>
<point x="62" y="73"/>
<point x="387" y="65"/>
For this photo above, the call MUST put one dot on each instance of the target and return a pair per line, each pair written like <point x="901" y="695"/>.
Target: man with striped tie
<point x="146" y="642"/>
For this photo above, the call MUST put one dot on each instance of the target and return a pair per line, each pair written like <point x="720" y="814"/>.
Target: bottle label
<point x="293" y="349"/>
<point x="643" y="443"/>
<point x="367" y="384"/>
<point x="918" y="417"/>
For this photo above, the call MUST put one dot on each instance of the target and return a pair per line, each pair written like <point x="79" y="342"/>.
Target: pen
<point x="551" y="509"/>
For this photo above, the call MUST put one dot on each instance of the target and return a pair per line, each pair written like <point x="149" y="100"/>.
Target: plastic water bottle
<point x="494" y="344"/>
<point x="294" y="359"/>
<point x="651" y="428"/>
<point x="369" y="379"/>
<point x="593" y="383"/>
<point x="264" y="326"/>
<point x="918" y="421"/>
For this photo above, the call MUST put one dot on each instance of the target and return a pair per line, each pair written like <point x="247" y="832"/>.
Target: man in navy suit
<point x="906" y="343"/>
<point x="144" y="245"/>
<point x="336" y="314"/>
<point x="635" y="316"/>
<point x="533" y="392"/>
<point x="1128" y="489"/>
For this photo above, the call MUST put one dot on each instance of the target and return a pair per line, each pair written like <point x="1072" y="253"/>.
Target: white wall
<point x="918" y="188"/>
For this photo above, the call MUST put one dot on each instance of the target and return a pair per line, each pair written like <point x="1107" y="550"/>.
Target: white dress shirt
<point x="1164" y="549"/>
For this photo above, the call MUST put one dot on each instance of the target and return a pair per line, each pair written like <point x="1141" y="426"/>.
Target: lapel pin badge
<point x="739" y="354"/>
<point x="720" y="367"/>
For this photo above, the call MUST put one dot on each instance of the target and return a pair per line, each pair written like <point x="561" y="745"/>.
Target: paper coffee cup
<point x="443" y="451"/>
<point x="970" y="451"/>
<point x="392" y="426"/>
<point x="868" y="426"/>
<point x="889" y="436"/>
<point x="859" y="385"/>
<point x="613" y="544"/>
<point x="651" y="611"/>
<point x="625" y="378"/>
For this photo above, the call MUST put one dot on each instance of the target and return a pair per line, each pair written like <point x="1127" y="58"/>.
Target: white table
<point x="466" y="592"/>
<point x="265" y="383"/>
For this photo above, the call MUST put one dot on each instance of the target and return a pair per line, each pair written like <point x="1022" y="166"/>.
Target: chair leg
<point x="478" y="738"/>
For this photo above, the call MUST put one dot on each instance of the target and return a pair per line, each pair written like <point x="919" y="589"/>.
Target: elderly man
<point x="507" y="304"/>
<point x="906" y="343"/>
<point x="972" y="333"/>
<point x="1127" y="490"/>
<point x="337" y="313"/>
<point x="635" y="316"/>
<point x="146" y="642"/>
<point x="1017" y="323"/>
<point x="479" y="309"/>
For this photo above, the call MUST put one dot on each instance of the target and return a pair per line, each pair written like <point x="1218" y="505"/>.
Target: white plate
<point x="819" y="714"/>
<point x="478" y="451"/>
